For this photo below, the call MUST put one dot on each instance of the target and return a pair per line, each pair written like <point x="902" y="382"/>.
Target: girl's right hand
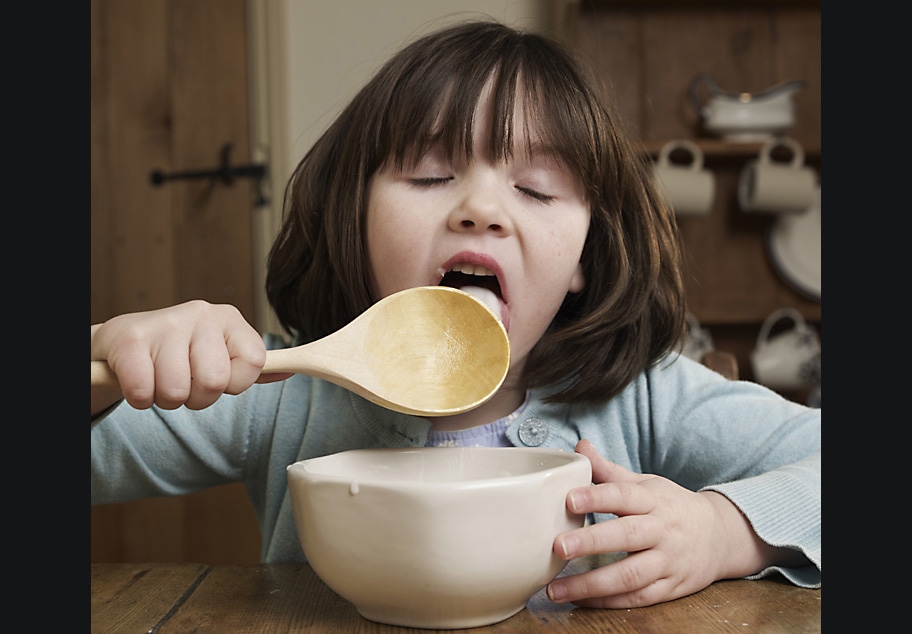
<point x="189" y="354"/>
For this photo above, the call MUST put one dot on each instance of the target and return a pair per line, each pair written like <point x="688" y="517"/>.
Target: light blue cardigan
<point x="679" y="420"/>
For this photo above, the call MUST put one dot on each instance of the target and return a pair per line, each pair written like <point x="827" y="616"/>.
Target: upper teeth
<point x="472" y="269"/>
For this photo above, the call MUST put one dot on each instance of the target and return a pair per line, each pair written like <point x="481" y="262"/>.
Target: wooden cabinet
<point x="646" y="53"/>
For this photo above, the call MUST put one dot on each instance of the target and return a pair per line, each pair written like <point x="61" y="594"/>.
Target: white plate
<point x="794" y="248"/>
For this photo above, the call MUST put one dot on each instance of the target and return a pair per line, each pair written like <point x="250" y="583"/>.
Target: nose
<point x="481" y="209"/>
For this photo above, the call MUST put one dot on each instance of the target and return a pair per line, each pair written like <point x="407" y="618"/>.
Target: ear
<point x="578" y="281"/>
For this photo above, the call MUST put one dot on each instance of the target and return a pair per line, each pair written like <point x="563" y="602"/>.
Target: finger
<point x="625" y="583"/>
<point x="210" y="368"/>
<point x="604" y="470"/>
<point x="127" y="352"/>
<point x="136" y="376"/>
<point x="656" y="592"/>
<point x="659" y="591"/>
<point x="620" y="535"/>
<point x="172" y="375"/>
<point x="620" y="498"/>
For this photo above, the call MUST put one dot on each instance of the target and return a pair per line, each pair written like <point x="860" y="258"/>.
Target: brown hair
<point x="631" y="311"/>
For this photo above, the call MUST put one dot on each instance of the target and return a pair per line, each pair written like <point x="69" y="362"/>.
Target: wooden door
<point x="169" y="89"/>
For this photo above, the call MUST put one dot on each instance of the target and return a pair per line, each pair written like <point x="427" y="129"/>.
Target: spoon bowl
<point x="426" y="351"/>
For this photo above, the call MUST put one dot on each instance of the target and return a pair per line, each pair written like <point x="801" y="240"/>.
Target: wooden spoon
<point x="428" y="351"/>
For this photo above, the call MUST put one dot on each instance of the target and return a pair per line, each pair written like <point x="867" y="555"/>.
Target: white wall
<point x="335" y="46"/>
<point x="309" y="57"/>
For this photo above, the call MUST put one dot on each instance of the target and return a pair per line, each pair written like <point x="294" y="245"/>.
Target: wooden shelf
<point x="694" y="4"/>
<point x="647" y="52"/>
<point x="717" y="148"/>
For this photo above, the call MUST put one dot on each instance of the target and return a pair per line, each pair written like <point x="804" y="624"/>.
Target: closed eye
<point x="531" y="193"/>
<point x="430" y="182"/>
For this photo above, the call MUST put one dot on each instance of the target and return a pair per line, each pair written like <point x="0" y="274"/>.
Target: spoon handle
<point x="277" y="361"/>
<point x="309" y="359"/>
<point x="284" y="360"/>
<point x="103" y="375"/>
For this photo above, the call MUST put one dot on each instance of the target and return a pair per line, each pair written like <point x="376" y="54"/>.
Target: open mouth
<point x="481" y="282"/>
<point x="472" y="275"/>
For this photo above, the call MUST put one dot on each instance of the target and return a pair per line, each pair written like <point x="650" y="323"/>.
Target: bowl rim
<point x="300" y="468"/>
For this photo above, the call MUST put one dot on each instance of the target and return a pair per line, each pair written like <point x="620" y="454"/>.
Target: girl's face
<point x="515" y="227"/>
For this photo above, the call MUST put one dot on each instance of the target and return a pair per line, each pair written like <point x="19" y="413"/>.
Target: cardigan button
<point x="533" y="432"/>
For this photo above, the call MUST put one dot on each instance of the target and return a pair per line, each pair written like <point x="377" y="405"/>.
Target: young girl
<point x="482" y="156"/>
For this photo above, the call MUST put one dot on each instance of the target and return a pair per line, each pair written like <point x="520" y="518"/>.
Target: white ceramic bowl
<point x="439" y="538"/>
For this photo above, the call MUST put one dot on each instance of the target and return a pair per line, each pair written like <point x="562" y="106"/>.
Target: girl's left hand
<point x="678" y="541"/>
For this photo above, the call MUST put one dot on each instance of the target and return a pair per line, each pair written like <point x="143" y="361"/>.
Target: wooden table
<point x="165" y="598"/>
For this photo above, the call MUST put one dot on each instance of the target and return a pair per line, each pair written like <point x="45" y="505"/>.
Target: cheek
<point x="380" y="248"/>
<point x="563" y="249"/>
<point x="377" y="238"/>
<point x="555" y="272"/>
<point x="391" y="245"/>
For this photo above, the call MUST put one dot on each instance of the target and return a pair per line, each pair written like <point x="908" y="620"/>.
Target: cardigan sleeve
<point x="740" y="439"/>
<point x="783" y="507"/>
<point x="153" y="452"/>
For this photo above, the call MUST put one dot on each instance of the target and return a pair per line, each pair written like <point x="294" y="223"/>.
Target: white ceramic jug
<point x="789" y="360"/>
<point x="744" y="116"/>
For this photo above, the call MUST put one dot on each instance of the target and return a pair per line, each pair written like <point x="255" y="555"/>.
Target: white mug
<point x="697" y="341"/>
<point x="774" y="186"/>
<point x="791" y="359"/>
<point x="688" y="188"/>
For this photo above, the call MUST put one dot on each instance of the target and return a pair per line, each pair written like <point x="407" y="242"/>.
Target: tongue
<point x="488" y="297"/>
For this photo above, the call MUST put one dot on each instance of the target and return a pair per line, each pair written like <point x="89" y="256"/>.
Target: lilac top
<point x="490" y="435"/>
